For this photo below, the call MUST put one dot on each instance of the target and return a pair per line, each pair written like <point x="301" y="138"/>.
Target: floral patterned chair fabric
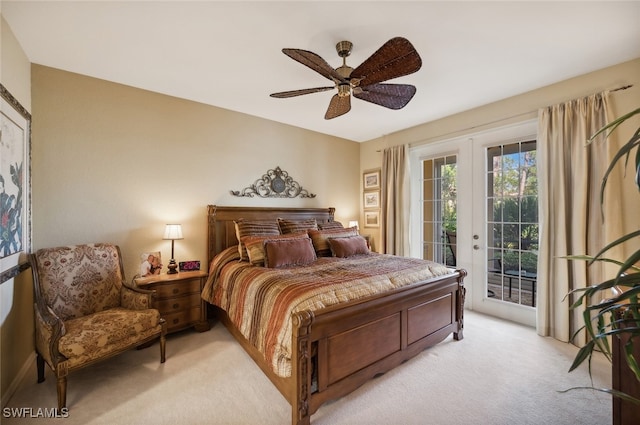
<point x="85" y="312"/>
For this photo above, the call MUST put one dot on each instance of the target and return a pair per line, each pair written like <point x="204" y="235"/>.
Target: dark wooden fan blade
<point x="292" y="93"/>
<point x="397" y="57"/>
<point x="392" y="96"/>
<point x="339" y="105"/>
<point x="314" y="62"/>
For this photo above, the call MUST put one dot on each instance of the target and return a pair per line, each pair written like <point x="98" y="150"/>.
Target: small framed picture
<point x="371" y="179"/>
<point x="372" y="199"/>
<point x="150" y="263"/>
<point x="372" y="219"/>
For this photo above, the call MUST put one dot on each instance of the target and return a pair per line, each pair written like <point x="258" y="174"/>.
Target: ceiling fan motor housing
<point x="344" y="89"/>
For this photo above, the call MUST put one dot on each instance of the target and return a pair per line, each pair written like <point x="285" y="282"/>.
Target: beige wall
<point x="114" y="163"/>
<point x="16" y="295"/>
<point x="523" y="107"/>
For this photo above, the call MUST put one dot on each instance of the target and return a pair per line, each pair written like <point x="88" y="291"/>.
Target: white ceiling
<point x="228" y="54"/>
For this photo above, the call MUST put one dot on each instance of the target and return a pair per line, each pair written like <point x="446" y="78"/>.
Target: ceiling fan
<point x="396" y="58"/>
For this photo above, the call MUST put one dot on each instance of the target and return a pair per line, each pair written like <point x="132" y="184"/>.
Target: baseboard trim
<point x="28" y="364"/>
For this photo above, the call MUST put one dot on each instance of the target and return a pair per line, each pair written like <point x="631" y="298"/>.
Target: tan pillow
<point x="320" y="239"/>
<point x="255" y="245"/>
<point x="330" y="225"/>
<point x="253" y="228"/>
<point x="346" y="247"/>
<point x="289" y="252"/>
<point x="294" y="226"/>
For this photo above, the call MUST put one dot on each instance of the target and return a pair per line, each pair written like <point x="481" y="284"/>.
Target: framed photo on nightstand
<point x="150" y="263"/>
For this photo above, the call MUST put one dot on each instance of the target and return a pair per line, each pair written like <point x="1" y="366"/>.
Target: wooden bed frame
<point x="337" y="349"/>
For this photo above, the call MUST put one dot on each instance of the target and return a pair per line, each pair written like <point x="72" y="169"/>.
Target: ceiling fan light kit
<point x="396" y="58"/>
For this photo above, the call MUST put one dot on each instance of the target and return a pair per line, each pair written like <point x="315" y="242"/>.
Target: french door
<point x="474" y="206"/>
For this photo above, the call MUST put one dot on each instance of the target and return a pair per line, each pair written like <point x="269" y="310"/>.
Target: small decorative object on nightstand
<point x="172" y="232"/>
<point x="178" y="299"/>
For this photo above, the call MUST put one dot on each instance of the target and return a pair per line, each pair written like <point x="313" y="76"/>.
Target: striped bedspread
<point x="259" y="301"/>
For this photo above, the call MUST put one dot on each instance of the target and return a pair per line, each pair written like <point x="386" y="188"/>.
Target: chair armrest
<point x="49" y="329"/>
<point x="135" y="298"/>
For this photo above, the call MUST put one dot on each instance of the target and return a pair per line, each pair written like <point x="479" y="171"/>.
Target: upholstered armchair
<point x="85" y="312"/>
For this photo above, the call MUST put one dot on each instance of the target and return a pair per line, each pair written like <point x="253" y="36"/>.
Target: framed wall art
<point x="372" y="199"/>
<point x="372" y="219"/>
<point x="15" y="185"/>
<point x="371" y="179"/>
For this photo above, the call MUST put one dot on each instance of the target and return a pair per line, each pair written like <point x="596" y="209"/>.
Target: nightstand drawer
<point x="182" y="319"/>
<point x="176" y="304"/>
<point x="175" y="290"/>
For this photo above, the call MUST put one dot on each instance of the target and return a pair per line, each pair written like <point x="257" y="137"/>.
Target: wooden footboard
<point x="354" y="343"/>
<point x="337" y="349"/>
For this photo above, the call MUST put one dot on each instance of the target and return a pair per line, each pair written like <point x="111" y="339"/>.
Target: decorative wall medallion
<point x="274" y="183"/>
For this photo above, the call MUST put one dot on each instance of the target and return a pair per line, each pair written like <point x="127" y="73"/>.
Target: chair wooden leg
<point x="163" y="343"/>
<point x="61" y="373"/>
<point x="62" y="392"/>
<point x="163" y="340"/>
<point x="40" y="367"/>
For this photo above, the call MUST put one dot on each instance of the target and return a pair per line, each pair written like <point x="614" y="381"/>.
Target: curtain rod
<point x="423" y="141"/>
<point x="628" y="86"/>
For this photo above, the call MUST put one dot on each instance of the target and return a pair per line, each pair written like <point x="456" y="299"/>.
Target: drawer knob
<point x="176" y="290"/>
<point x="175" y="321"/>
<point x="176" y="305"/>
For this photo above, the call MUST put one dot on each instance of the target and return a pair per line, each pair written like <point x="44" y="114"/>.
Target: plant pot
<point x="623" y="379"/>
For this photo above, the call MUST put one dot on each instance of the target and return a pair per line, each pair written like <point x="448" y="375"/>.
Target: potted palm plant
<point x="613" y="325"/>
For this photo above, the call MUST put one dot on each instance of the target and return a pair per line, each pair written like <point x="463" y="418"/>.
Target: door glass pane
<point x="512" y="222"/>
<point x="439" y="205"/>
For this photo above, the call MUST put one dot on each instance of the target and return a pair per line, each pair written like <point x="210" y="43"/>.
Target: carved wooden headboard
<point x="221" y="229"/>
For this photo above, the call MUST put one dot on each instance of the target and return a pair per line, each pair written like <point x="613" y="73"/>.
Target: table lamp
<point x="172" y="232"/>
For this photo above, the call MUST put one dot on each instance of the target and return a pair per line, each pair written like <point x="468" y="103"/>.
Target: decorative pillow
<point x="320" y="239"/>
<point x="293" y="226"/>
<point x="289" y="252"/>
<point x="330" y="225"/>
<point x="255" y="245"/>
<point x="253" y="228"/>
<point x="346" y="247"/>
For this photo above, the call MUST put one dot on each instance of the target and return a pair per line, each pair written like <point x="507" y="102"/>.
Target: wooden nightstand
<point x="178" y="299"/>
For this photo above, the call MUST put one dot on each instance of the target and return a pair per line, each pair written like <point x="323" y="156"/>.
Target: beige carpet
<point x="500" y="373"/>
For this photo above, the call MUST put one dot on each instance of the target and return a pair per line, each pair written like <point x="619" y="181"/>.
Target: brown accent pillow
<point x="255" y="245"/>
<point x="293" y="226"/>
<point x="330" y="225"/>
<point x="289" y="252"/>
<point x="346" y="247"/>
<point x="253" y="228"/>
<point x="320" y="239"/>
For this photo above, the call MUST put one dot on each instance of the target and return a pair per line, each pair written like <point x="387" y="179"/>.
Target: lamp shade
<point x="353" y="223"/>
<point x="173" y="231"/>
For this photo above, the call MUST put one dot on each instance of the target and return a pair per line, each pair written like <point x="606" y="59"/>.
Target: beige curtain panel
<point x="395" y="200"/>
<point x="570" y="172"/>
